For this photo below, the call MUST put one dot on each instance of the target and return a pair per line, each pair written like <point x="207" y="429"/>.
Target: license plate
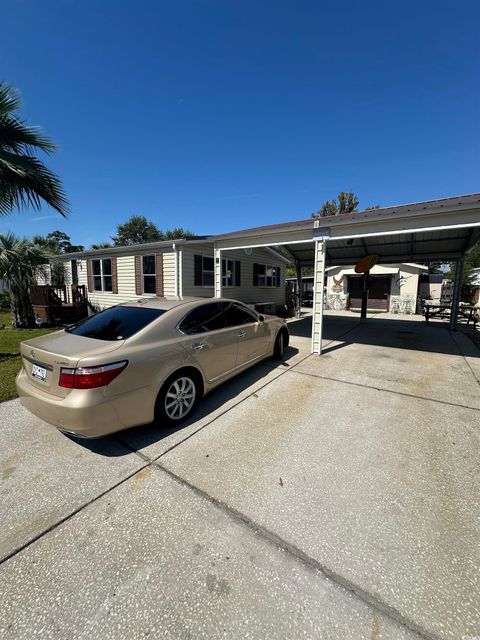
<point x="39" y="372"/>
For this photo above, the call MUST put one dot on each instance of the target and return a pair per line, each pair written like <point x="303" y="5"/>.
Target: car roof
<point x="166" y="303"/>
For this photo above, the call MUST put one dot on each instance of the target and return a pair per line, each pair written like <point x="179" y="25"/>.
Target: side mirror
<point x="261" y="318"/>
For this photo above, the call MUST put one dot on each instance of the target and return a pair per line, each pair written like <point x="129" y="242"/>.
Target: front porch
<point x="59" y="305"/>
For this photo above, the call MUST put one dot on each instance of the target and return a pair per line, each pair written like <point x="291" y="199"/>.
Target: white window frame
<point x="204" y="271"/>
<point x="102" y="276"/>
<point x="149" y="275"/>
<point x="265" y="276"/>
<point x="233" y="273"/>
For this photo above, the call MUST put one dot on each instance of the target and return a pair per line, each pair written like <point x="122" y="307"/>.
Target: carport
<point x="435" y="230"/>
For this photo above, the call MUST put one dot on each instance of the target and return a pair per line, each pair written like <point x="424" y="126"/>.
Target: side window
<point x="97" y="274"/>
<point x="236" y="314"/>
<point x="102" y="274"/>
<point x="208" y="317"/>
<point x="208" y="267"/>
<point x="149" y="274"/>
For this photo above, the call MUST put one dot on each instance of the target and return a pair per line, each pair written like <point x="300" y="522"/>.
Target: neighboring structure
<point x="177" y="268"/>
<point x="392" y="287"/>
<point x="475" y="284"/>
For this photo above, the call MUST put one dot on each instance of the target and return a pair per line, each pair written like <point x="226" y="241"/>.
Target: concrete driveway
<point x="331" y="497"/>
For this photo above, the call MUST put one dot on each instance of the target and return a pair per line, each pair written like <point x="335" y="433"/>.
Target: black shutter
<point x="197" y="271"/>
<point x="238" y="277"/>
<point x="255" y="274"/>
<point x="277" y="273"/>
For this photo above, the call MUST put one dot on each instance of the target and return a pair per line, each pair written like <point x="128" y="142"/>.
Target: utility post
<point x="298" y="270"/>
<point x="366" y="285"/>
<point x="318" y="295"/>
<point x="217" y="271"/>
<point x="457" y="290"/>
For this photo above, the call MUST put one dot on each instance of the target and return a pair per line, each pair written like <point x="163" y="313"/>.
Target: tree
<point x="64" y="243"/>
<point x="101" y="245"/>
<point x="24" y="180"/>
<point x="346" y="202"/>
<point x="57" y="242"/>
<point x="178" y="232"/>
<point x="20" y="261"/>
<point x="139" y="230"/>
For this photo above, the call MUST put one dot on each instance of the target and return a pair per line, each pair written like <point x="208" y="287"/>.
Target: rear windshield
<point x="116" y="323"/>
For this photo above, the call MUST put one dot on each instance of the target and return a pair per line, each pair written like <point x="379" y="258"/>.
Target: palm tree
<point x="24" y="179"/>
<point x="20" y="262"/>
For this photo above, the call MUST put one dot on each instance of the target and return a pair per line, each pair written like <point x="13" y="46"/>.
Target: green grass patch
<point x="10" y="338"/>
<point x="5" y="318"/>
<point x="8" y="373"/>
<point x="10" y="343"/>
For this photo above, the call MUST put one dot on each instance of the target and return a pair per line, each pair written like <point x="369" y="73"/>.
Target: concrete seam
<point x="278" y="542"/>
<point x="67" y="517"/>
<point x="398" y="393"/>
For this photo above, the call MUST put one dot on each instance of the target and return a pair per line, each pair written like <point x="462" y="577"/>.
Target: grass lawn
<point x="9" y="343"/>
<point x="5" y="318"/>
<point x="8" y="373"/>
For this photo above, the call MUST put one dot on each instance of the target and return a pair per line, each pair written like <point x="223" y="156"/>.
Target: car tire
<point x="177" y="398"/>
<point x="279" y="348"/>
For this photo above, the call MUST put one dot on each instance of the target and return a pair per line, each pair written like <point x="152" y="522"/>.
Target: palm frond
<point x="17" y="136"/>
<point x="25" y="181"/>
<point x="9" y="99"/>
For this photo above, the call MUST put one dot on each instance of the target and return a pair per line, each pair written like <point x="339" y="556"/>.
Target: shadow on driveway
<point x="210" y="406"/>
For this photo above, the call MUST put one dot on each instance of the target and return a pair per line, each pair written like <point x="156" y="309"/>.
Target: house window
<point x="203" y="271"/>
<point x="230" y="273"/>
<point x="208" y="275"/>
<point x="102" y="274"/>
<point x="149" y="277"/>
<point x="74" y="266"/>
<point x="266" y="275"/>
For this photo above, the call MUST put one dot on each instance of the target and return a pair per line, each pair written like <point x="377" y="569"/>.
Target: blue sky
<point x="218" y="115"/>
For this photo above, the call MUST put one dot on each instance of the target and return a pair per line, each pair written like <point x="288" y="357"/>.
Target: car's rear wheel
<point x="279" y="348"/>
<point x="177" y="398"/>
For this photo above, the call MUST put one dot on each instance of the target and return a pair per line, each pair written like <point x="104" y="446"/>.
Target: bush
<point x="5" y="300"/>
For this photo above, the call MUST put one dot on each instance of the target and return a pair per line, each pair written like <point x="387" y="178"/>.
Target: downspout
<point x="176" y="273"/>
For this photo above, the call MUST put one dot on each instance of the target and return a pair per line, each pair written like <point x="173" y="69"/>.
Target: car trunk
<point x="43" y="357"/>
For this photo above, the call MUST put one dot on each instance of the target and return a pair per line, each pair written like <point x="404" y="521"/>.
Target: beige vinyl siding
<point x="246" y="292"/>
<point x="125" y="278"/>
<point x="188" y="273"/>
<point x="169" y="274"/>
<point x="43" y="276"/>
<point x="67" y="268"/>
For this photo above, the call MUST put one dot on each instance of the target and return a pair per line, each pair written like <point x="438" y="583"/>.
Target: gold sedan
<point x="142" y="361"/>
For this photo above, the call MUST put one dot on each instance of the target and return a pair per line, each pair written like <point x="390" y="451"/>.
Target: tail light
<point x="90" y="377"/>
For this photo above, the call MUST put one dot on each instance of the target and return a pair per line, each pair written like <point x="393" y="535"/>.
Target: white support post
<point x="217" y="266"/>
<point x="180" y="272"/>
<point x="318" y="295"/>
<point x="457" y="289"/>
<point x="176" y="272"/>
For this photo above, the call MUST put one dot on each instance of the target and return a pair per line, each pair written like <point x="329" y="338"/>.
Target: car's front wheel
<point x="279" y="348"/>
<point x="177" y="399"/>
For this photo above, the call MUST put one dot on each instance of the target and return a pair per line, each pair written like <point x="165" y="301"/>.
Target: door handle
<point x="241" y="334"/>
<point x="198" y="345"/>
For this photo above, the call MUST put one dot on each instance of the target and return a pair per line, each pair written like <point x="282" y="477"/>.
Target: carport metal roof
<point x="434" y="230"/>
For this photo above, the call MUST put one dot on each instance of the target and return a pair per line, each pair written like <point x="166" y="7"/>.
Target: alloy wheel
<point x="180" y="398"/>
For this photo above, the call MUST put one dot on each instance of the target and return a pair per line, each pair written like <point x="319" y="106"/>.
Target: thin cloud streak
<point x="41" y="218"/>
